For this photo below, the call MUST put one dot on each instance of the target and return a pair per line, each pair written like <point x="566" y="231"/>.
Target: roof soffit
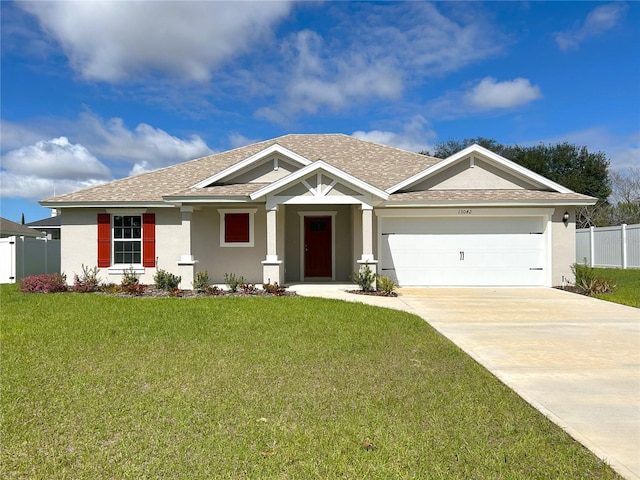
<point x="253" y="160"/>
<point x="476" y="151"/>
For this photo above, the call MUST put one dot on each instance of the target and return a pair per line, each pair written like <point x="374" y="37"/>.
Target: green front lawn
<point x="628" y="285"/>
<point x="258" y="388"/>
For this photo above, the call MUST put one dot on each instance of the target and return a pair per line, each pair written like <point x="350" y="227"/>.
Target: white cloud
<point x="145" y="146"/>
<point x="237" y="140"/>
<point x="413" y="137"/>
<point x="599" y="20"/>
<point x="375" y="59"/>
<point x="56" y="165"/>
<point x="114" y="41"/>
<point x="38" y="169"/>
<point x="490" y="94"/>
<point x="486" y="95"/>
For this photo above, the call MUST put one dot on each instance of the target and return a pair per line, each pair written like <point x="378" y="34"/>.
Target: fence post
<point x="623" y="236"/>
<point x="592" y="248"/>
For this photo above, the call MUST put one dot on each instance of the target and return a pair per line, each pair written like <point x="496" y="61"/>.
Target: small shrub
<point x="166" y="280"/>
<point x="386" y="285"/>
<point x="130" y="283"/>
<point x="589" y="283"/>
<point x="232" y="281"/>
<point x="88" y="282"/>
<point x="44" y="283"/>
<point x="213" y="290"/>
<point x="364" y="278"/>
<point x="274" y="289"/>
<point x="248" y="288"/>
<point x="201" y="282"/>
<point x="111" y="288"/>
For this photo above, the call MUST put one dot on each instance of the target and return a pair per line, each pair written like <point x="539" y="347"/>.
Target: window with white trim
<point x="236" y="227"/>
<point x="127" y="239"/>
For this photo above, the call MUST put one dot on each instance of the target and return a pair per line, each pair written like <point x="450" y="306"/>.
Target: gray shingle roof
<point x="10" y="229"/>
<point x="379" y="165"/>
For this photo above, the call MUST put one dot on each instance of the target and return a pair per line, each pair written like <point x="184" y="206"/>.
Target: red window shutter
<point x="236" y="227"/>
<point x="148" y="239"/>
<point x="104" y="240"/>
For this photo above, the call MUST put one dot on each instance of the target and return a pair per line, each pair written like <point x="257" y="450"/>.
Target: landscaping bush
<point x="44" y="283"/>
<point x="248" y="288"/>
<point x="88" y="282"/>
<point x="201" y="282"/>
<point x="364" y="278"/>
<point x="588" y="281"/>
<point x="232" y="281"/>
<point x="166" y="281"/>
<point x="130" y="283"/>
<point x="274" y="289"/>
<point x="386" y="285"/>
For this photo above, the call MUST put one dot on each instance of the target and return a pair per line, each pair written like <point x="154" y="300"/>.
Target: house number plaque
<point x="464" y="211"/>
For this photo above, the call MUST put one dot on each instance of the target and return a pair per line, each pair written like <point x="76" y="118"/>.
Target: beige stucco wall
<point x="343" y="240"/>
<point x="79" y="234"/>
<point x="218" y="260"/>
<point x="563" y="248"/>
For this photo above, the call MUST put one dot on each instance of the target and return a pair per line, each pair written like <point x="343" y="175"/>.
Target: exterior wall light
<point x="565" y="218"/>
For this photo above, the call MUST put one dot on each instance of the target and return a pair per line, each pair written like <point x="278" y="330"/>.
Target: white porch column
<point x="367" y="257"/>
<point x="186" y="263"/>
<point x="272" y="271"/>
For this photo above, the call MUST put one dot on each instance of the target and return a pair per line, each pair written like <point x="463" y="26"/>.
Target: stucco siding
<point x="563" y="248"/>
<point x="218" y="260"/>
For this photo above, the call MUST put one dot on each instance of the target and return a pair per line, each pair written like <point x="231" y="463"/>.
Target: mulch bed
<point x="150" y="291"/>
<point x="374" y="293"/>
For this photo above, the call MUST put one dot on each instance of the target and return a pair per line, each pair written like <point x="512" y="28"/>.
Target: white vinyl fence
<point x="21" y="257"/>
<point x="612" y="247"/>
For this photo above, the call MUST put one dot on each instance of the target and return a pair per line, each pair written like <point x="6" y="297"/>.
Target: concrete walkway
<point x="574" y="358"/>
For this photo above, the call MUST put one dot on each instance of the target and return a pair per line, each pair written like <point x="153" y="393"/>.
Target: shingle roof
<point x="379" y="165"/>
<point x="486" y="196"/>
<point x="10" y="229"/>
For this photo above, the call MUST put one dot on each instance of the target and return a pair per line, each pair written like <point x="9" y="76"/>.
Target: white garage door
<point x="473" y="251"/>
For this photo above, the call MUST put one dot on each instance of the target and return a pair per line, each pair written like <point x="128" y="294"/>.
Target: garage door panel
<point x="478" y="251"/>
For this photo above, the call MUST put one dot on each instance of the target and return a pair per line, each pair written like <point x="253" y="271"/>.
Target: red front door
<point x="317" y="246"/>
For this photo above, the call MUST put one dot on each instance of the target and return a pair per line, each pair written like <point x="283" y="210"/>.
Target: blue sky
<point x="97" y="91"/>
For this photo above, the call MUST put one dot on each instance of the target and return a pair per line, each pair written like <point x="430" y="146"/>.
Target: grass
<point x="628" y="285"/>
<point x="296" y="388"/>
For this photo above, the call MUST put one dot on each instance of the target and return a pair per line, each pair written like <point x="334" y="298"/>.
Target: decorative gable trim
<point x="253" y="159"/>
<point x="318" y="167"/>
<point x="508" y="165"/>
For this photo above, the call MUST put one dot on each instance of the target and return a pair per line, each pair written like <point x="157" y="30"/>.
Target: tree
<point x="564" y="163"/>
<point x="625" y="186"/>
<point x="22" y="220"/>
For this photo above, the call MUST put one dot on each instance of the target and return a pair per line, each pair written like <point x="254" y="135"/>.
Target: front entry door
<point x="317" y="247"/>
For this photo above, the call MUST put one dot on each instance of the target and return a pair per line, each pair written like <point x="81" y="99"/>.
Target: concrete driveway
<point x="574" y="358"/>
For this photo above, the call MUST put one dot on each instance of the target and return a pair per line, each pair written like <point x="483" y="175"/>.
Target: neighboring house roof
<point x="49" y="222"/>
<point x="387" y="173"/>
<point x="10" y="229"/>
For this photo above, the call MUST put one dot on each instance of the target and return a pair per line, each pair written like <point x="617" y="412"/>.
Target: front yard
<point x="628" y="285"/>
<point x="110" y="387"/>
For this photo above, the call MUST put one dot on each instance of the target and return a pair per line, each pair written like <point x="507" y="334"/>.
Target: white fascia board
<point x="487" y="154"/>
<point x="314" y="167"/>
<point x="275" y="148"/>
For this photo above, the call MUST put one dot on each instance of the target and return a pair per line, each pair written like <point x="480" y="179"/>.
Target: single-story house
<point x="13" y="229"/>
<point x="50" y="226"/>
<point x="309" y="208"/>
